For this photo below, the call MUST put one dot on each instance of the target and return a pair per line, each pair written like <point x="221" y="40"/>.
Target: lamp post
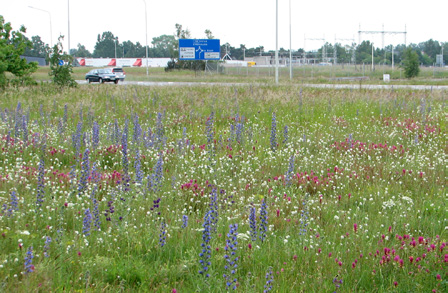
<point x="51" y="28"/>
<point x="146" y="26"/>
<point x="276" y="42"/>
<point x="290" y="46"/>
<point x="68" y="17"/>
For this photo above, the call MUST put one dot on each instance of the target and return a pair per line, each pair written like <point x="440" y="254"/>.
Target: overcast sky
<point x="247" y="22"/>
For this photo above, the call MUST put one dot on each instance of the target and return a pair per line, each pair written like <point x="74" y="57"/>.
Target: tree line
<point x="109" y="46"/>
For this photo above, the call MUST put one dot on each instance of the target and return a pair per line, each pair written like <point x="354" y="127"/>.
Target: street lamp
<point x="290" y="46"/>
<point x="51" y="28"/>
<point x="276" y="42"/>
<point x="68" y="17"/>
<point x="146" y="26"/>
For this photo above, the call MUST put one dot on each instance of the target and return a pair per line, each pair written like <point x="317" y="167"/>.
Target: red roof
<point x="138" y="62"/>
<point x="112" y="62"/>
<point x="82" y="62"/>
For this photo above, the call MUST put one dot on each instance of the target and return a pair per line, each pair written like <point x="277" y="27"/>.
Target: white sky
<point x="247" y="22"/>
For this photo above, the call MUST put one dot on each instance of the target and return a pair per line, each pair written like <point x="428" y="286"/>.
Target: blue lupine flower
<point x="65" y="114"/>
<point x="184" y="221"/>
<point x="206" y="250"/>
<point x="253" y="224"/>
<point x="239" y="133"/>
<point x="84" y="173"/>
<point x="289" y="174"/>
<point x="60" y="127"/>
<point x="29" y="267"/>
<point x="138" y="168"/>
<point x="96" y="215"/>
<point x="25" y="129"/>
<point x="209" y="128"/>
<point x="87" y="222"/>
<point x="40" y="183"/>
<point x="124" y="151"/>
<point x="285" y="134"/>
<point x="273" y="132"/>
<point x="263" y="220"/>
<point x="230" y="256"/>
<point x="47" y="246"/>
<point x="162" y="235"/>
<point x="269" y="280"/>
<point x="14" y="204"/>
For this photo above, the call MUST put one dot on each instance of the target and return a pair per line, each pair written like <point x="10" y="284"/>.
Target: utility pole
<point x="290" y="46"/>
<point x="276" y="42"/>
<point x="68" y="13"/>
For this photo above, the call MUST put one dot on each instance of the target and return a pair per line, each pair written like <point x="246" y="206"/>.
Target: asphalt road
<point x="331" y="86"/>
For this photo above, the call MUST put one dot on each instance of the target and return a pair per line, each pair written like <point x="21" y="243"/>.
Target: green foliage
<point x="61" y="74"/>
<point x="81" y="51"/>
<point x="12" y="46"/>
<point x="105" y="45"/>
<point x="37" y="49"/>
<point x="410" y="63"/>
<point x="163" y="46"/>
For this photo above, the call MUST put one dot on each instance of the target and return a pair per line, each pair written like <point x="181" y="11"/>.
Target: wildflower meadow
<point x="219" y="188"/>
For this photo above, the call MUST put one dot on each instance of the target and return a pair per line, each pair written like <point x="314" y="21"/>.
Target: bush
<point x="410" y="63"/>
<point x="61" y="66"/>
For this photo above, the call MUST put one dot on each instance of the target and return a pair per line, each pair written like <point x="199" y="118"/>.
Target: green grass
<point x="376" y="159"/>
<point x="338" y="74"/>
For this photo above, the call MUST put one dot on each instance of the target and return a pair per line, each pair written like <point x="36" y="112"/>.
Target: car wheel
<point x="100" y="80"/>
<point x="116" y="81"/>
<point x="88" y="80"/>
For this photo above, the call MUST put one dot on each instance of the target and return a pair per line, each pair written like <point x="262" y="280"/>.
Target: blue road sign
<point x="199" y="49"/>
<point x="61" y="62"/>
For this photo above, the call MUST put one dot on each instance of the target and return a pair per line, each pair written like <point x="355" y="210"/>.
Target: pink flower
<point x="395" y="284"/>
<point x="438" y="277"/>
<point x="355" y="227"/>
<point x="340" y="264"/>
<point x="174" y="290"/>
<point x="294" y="257"/>
<point x="411" y="259"/>
<point x="250" y="246"/>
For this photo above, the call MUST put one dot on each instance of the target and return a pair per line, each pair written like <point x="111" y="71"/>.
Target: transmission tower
<point x="342" y="39"/>
<point x="324" y="51"/>
<point x="382" y="32"/>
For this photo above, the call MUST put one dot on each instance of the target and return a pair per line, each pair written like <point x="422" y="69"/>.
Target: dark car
<point x="101" y="76"/>
<point x="119" y="72"/>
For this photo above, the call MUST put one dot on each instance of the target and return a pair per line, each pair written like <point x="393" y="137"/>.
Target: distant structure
<point x="382" y="32"/>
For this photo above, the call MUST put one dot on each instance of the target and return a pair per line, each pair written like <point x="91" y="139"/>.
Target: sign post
<point x="199" y="49"/>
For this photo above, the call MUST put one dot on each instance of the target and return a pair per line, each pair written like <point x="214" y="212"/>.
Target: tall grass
<point x="97" y="184"/>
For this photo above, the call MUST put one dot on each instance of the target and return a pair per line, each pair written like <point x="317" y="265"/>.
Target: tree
<point x="81" y="51"/>
<point x="410" y="63"/>
<point x="37" y="49"/>
<point x="163" y="46"/>
<point x="61" y="66"/>
<point x="208" y="34"/>
<point x="12" y="45"/>
<point x="105" y="45"/>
